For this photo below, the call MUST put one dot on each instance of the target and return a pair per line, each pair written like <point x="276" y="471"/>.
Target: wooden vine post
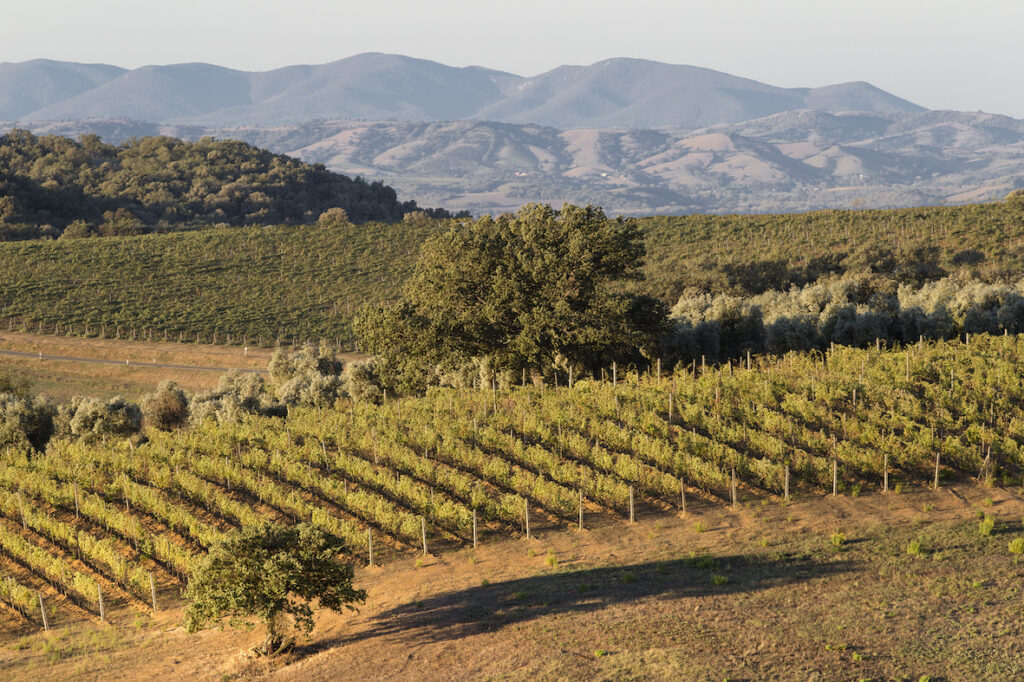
<point x="885" y="472"/>
<point x="835" y="476"/>
<point x="733" y="487"/>
<point x="786" y="483"/>
<point x="632" y="515"/>
<point x="152" y="592"/>
<point x="42" y="610"/>
<point x="99" y="598"/>
<point x="423" y="528"/>
<point x="474" y="529"/>
<point x="581" y="510"/>
<point x="526" y="509"/>
<point x="682" y="494"/>
<point x="369" y="545"/>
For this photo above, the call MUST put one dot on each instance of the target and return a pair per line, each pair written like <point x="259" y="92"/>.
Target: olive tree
<point x="270" y="573"/>
<point x="25" y="420"/>
<point x="166" y="408"/>
<point x="95" y="419"/>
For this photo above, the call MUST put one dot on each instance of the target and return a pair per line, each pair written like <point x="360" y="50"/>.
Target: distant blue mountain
<point x="615" y="93"/>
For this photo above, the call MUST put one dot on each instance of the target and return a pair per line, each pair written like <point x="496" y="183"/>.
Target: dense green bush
<point x="535" y="291"/>
<point x="237" y="394"/>
<point x="25" y="421"/>
<point x="95" y="419"/>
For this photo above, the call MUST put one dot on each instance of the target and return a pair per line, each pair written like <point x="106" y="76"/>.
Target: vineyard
<point x="257" y="285"/>
<point x="242" y="285"/>
<point x="94" y="530"/>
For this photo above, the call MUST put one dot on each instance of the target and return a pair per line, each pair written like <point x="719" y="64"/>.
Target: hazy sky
<point x="948" y="54"/>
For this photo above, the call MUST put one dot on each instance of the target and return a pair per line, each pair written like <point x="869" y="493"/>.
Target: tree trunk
<point x="275" y="642"/>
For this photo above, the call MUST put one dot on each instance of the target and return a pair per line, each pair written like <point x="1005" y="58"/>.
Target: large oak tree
<point x="535" y="290"/>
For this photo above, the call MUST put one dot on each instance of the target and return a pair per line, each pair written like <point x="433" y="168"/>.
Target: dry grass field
<point x="137" y="369"/>
<point x="874" y="587"/>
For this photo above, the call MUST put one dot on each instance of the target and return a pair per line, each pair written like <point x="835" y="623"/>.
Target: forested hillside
<point x="50" y="182"/>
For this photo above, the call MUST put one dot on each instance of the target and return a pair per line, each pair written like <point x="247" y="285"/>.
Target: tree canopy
<point x="166" y="182"/>
<point x="536" y="291"/>
<point x="270" y="572"/>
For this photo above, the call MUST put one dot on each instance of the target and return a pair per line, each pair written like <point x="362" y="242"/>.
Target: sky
<point x="941" y="54"/>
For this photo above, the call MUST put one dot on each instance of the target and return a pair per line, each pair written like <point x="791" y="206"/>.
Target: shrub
<point x="333" y="217"/>
<point x="986" y="525"/>
<point x="1016" y="546"/>
<point x="25" y="421"/>
<point x="309" y="376"/>
<point x="361" y="382"/>
<point x="914" y="548"/>
<point x="166" y="408"/>
<point x="93" y="418"/>
<point x="237" y="394"/>
<point x="16" y="387"/>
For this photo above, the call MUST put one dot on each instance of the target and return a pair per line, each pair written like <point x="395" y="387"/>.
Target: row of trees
<point x="852" y="310"/>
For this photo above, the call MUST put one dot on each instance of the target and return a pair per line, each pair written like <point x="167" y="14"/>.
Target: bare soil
<point x="761" y="592"/>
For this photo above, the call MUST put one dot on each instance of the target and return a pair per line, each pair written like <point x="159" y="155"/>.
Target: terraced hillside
<point x="124" y="521"/>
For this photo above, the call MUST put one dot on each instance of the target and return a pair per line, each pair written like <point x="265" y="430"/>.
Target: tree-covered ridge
<point x="165" y="182"/>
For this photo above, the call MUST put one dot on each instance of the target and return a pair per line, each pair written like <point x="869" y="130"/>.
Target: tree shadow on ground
<point x="566" y="590"/>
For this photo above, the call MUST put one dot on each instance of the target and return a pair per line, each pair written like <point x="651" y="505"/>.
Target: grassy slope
<point x="134" y="374"/>
<point x="305" y="281"/>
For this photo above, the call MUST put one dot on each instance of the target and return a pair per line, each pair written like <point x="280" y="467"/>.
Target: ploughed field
<point x="120" y="521"/>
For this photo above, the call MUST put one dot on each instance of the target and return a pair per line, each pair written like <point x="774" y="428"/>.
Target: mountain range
<point x="615" y="93"/>
<point x="634" y="136"/>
